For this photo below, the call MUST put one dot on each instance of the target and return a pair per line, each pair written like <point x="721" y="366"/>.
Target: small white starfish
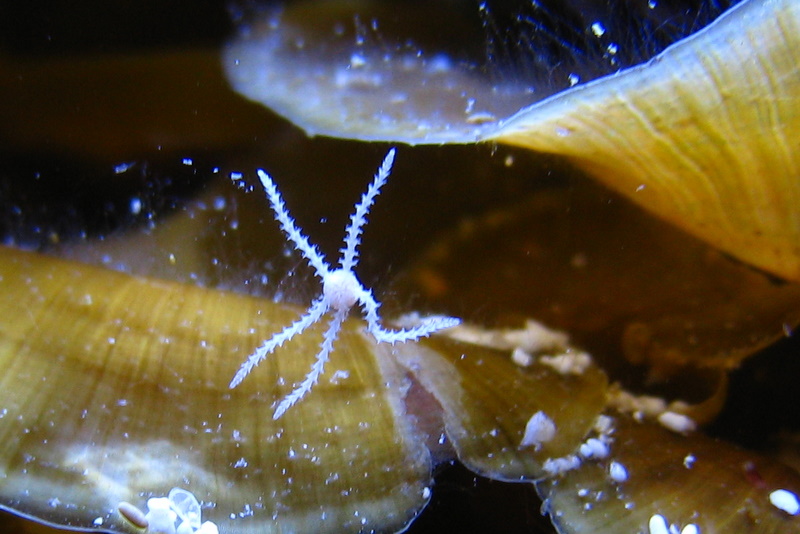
<point x="341" y="290"/>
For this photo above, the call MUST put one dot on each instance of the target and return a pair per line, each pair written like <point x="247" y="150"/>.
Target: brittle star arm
<point x="424" y="329"/>
<point x="359" y="217"/>
<point x="319" y="365"/>
<point x="314" y="257"/>
<point x="314" y="313"/>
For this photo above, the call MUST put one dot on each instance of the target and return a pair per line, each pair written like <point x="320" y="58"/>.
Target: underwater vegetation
<point x="616" y="236"/>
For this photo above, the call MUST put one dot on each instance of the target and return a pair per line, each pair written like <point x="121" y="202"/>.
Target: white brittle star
<point x="341" y="290"/>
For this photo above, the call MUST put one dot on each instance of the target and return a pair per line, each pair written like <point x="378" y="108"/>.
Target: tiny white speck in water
<point x="470" y="106"/>
<point x="426" y="493"/>
<point x="136" y="206"/>
<point x="689" y="461"/>
<point x="219" y="203"/>
<point x="122" y="167"/>
<point x="612" y="49"/>
<point x="785" y="500"/>
<point x="98" y="521"/>
<point x="598" y="29"/>
<point x="187" y="161"/>
<point x="357" y="60"/>
<point x="573" y="79"/>
<point x="440" y="63"/>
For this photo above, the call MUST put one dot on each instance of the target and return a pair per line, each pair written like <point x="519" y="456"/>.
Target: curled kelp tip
<point x="698" y="136"/>
<point x="338" y="74"/>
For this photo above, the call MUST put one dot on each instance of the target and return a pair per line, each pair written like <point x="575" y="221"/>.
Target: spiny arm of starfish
<point x="314" y="257"/>
<point x="314" y="314"/>
<point x="358" y="219"/>
<point x="317" y="369"/>
<point x="425" y="328"/>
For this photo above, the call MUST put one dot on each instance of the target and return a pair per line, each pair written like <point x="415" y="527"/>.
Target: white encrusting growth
<point x="571" y="362"/>
<point x="558" y="466"/>
<point x="533" y="338"/>
<point x="658" y="525"/>
<point x="682" y="424"/>
<point x="594" y="448"/>
<point x="618" y="472"/>
<point x="785" y="500"/>
<point x="521" y="358"/>
<point x="341" y="290"/>
<point x="540" y="429"/>
<point x="179" y="513"/>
